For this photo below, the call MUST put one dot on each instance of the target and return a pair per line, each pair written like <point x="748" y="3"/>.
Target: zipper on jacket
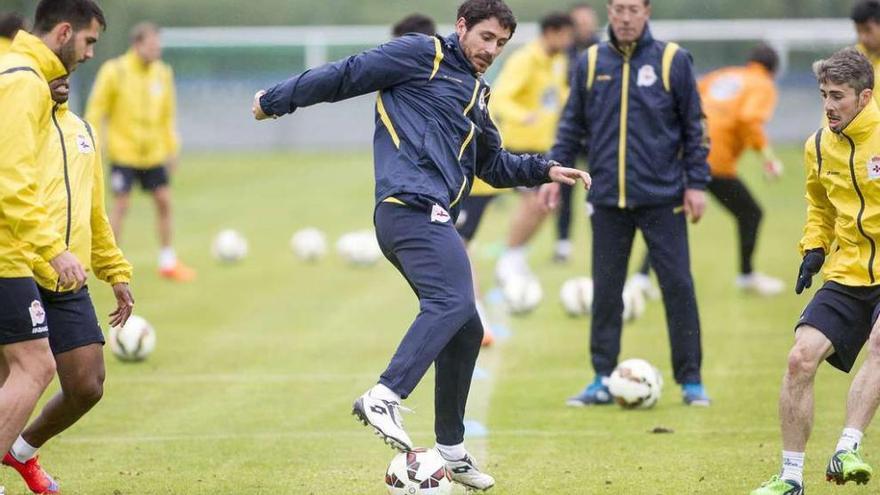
<point x="66" y="178"/>
<point x="621" y="146"/>
<point x="862" y="206"/>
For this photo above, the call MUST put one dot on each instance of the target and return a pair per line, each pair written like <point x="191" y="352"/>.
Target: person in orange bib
<point x="738" y="102"/>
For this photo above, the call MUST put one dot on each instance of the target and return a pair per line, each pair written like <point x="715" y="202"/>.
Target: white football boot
<point x="760" y="284"/>
<point x="466" y="473"/>
<point x="384" y="417"/>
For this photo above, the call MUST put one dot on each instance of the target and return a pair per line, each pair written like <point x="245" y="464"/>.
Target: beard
<point x="68" y="55"/>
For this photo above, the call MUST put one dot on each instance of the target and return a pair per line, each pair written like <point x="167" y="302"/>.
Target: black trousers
<point x="447" y="331"/>
<point x="736" y="198"/>
<point x="563" y="218"/>
<point x="665" y="232"/>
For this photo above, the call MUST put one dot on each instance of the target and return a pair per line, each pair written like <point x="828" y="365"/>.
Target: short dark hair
<point x="765" y="55"/>
<point x="848" y="66"/>
<point x="647" y="2"/>
<point x="865" y="10"/>
<point x="79" y="13"/>
<point x="555" y="21"/>
<point x="414" y="23"/>
<point x="476" y="11"/>
<point x="10" y="23"/>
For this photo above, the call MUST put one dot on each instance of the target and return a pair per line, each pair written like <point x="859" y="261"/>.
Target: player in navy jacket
<point x="433" y="134"/>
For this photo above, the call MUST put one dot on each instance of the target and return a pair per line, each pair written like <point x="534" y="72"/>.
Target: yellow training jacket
<point x="73" y="192"/>
<point x="528" y="97"/>
<point x="843" y="199"/>
<point x="25" y="122"/>
<point x="137" y="102"/>
<point x="5" y="45"/>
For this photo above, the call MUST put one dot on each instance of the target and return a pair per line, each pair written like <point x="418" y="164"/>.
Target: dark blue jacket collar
<point x="646" y="39"/>
<point x="454" y="45"/>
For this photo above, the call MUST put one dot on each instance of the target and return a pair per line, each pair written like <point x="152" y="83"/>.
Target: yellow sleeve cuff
<point x="49" y="253"/>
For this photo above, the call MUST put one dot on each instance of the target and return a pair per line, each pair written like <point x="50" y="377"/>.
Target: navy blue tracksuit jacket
<point x="638" y="135"/>
<point x="433" y="130"/>
<point x="433" y="134"/>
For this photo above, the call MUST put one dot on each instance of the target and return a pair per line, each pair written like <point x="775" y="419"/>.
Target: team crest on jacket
<point x="84" y="144"/>
<point x="874" y="168"/>
<point x="38" y="314"/>
<point x="647" y="76"/>
<point x="484" y="98"/>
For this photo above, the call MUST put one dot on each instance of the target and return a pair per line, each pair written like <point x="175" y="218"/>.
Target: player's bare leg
<point x="81" y="373"/>
<point x="864" y="397"/>
<point x="527" y="219"/>
<point x="31" y="369"/>
<point x="121" y="203"/>
<point x="169" y="266"/>
<point x="796" y="397"/>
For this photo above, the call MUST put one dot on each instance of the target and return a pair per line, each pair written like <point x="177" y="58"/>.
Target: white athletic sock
<point x="382" y="392"/>
<point x="793" y="466"/>
<point x="451" y="452"/>
<point x="22" y="451"/>
<point x="167" y="258"/>
<point x="850" y="439"/>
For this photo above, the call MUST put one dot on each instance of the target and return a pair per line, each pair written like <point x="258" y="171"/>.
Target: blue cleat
<point x="596" y="393"/>
<point x="695" y="395"/>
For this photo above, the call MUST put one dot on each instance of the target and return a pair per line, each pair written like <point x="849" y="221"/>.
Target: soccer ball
<point x="229" y="246"/>
<point x="635" y="384"/>
<point x="633" y="303"/>
<point x="523" y="294"/>
<point x="309" y="244"/>
<point x="134" y="341"/>
<point x="419" y="472"/>
<point x="577" y="296"/>
<point x="359" y="248"/>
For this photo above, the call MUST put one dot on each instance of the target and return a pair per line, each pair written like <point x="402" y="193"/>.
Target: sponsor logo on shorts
<point x="38" y="317"/>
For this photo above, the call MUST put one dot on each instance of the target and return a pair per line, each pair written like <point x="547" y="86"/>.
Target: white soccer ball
<point x="633" y="303"/>
<point x="309" y="244"/>
<point x="359" y="248"/>
<point x="229" y="246"/>
<point x="522" y="294"/>
<point x="577" y="296"/>
<point x="134" y="341"/>
<point x="419" y="472"/>
<point x="636" y="384"/>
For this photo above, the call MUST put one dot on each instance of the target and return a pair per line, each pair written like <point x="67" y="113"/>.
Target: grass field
<point x="257" y="364"/>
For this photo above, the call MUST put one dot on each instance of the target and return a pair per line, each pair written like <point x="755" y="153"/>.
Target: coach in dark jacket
<point x="635" y="105"/>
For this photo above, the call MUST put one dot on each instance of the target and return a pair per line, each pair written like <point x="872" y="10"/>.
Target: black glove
<point x="811" y="265"/>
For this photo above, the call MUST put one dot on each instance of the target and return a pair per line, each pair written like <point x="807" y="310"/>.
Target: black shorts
<point x="73" y="319"/>
<point x="845" y="315"/>
<point x="22" y="315"/>
<point x="123" y="177"/>
<point x="472" y="210"/>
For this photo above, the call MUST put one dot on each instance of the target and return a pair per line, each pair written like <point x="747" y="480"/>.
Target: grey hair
<point x="848" y="66"/>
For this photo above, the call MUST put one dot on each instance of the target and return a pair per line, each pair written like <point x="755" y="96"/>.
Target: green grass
<point x="257" y="364"/>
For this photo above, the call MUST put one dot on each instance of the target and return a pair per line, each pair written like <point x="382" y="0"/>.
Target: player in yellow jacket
<point x="527" y="101"/>
<point x="73" y="193"/>
<point x="65" y="32"/>
<point x="866" y="17"/>
<point x="842" y="231"/>
<point x="134" y="97"/>
<point x="10" y="24"/>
